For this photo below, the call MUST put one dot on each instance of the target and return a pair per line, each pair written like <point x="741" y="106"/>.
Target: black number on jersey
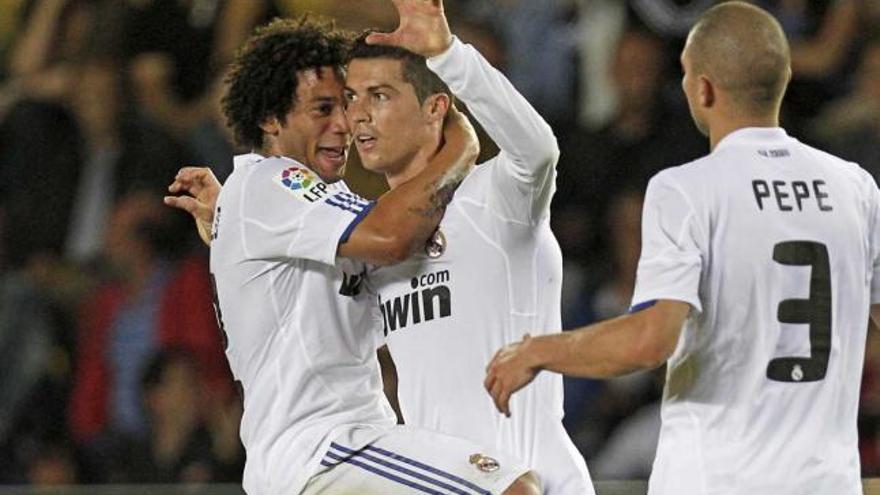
<point x="218" y="313"/>
<point x="815" y="312"/>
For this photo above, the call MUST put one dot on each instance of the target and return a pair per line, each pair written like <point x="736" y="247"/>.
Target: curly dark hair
<point x="415" y="70"/>
<point x="262" y="80"/>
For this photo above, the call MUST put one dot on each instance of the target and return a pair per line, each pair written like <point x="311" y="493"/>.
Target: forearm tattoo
<point x="442" y="191"/>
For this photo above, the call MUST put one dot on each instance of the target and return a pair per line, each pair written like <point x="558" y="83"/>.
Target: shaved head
<point x="742" y="49"/>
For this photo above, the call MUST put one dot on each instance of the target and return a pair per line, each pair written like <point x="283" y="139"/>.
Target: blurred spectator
<point x="850" y="125"/>
<point x="36" y="350"/>
<point x="593" y="408"/>
<point x="52" y="464"/>
<point x="177" y="52"/>
<point x="650" y="130"/>
<point x="155" y="303"/>
<point x="539" y="39"/>
<point x="121" y="152"/>
<point x="182" y="448"/>
<point x="669" y="18"/>
<point x="823" y="36"/>
<point x="40" y="157"/>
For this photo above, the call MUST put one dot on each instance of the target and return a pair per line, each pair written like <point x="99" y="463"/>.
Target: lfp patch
<point x="302" y="183"/>
<point x="295" y="178"/>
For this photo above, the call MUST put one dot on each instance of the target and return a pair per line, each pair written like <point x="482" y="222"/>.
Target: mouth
<point x="365" y="143"/>
<point x="333" y="155"/>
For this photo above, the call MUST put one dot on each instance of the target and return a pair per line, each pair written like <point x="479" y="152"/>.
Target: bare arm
<point x="404" y="218"/>
<point x="638" y="341"/>
<point x="529" y="150"/>
<point x="401" y="221"/>
<point x="825" y="51"/>
<point x="31" y="53"/>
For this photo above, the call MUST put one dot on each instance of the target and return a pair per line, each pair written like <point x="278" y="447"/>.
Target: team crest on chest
<point x="484" y="463"/>
<point x="436" y="245"/>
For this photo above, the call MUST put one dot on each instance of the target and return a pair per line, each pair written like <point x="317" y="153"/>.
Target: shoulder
<point x="685" y="175"/>
<point x="847" y="170"/>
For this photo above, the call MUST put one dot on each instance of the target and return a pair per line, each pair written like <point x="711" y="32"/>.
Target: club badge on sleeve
<point x="302" y="183"/>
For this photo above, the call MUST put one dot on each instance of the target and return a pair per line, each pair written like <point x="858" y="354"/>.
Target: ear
<point x="271" y="126"/>
<point x="436" y="106"/>
<point x="706" y="92"/>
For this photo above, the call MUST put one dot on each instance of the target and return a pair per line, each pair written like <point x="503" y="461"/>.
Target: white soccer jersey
<point x="301" y="336"/>
<point x="492" y="273"/>
<point x="775" y="246"/>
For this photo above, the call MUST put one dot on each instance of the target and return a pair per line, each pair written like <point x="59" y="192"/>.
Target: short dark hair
<point x="262" y="80"/>
<point x="415" y="69"/>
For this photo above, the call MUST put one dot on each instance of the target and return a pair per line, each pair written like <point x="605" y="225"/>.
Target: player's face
<point x="384" y="114"/>
<point x="689" y="83"/>
<point x="315" y="131"/>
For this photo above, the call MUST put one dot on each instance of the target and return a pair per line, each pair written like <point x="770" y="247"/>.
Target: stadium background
<point x="112" y="366"/>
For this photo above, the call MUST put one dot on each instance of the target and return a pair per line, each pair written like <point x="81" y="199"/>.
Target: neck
<point x="416" y="165"/>
<point x="724" y="128"/>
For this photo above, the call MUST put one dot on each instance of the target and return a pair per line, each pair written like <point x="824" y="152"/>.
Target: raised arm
<point x="529" y="150"/>
<point x="404" y="218"/>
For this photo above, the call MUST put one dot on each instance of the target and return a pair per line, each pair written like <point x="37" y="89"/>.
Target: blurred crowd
<point x="113" y="363"/>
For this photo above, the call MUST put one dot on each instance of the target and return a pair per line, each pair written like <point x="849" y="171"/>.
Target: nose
<point x="356" y="113"/>
<point x="339" y="121"/>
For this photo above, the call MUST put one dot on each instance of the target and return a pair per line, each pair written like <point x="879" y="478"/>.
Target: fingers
<point x="500" y="394"/>
<point x="502" y="399"/>
<point x="185" y="203"/>
<point x="381" y="39"/>
<point x="190" y="179"/>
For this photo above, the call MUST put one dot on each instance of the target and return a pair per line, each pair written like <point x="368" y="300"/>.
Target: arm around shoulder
<point x="404" y="218"/>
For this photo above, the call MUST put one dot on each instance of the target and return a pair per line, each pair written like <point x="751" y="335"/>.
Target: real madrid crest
<point x="436" y="245"/>
<point x="484" y="463"/>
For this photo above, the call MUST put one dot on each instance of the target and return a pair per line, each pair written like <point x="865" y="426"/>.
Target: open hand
<point x="511" y="369"/>
<point x="423" y="28"/>
<point x="200" y="190"/>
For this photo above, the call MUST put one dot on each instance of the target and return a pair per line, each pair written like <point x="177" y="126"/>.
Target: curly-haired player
<point x="288" y="251"/>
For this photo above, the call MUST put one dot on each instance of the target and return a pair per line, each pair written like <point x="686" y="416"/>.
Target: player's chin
<point x="329" y="163"/>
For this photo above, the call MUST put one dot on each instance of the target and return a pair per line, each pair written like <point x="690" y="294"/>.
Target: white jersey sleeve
<point x="524" y="173"/>
<point x="672" y="246"/>
<point x="289" y="212"/>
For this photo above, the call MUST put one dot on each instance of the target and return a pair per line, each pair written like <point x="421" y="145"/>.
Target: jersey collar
<point x="753" y="135"/>
<point x="245" y="159"/>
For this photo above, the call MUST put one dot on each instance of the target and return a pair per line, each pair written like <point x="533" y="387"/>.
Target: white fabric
<point x="710" y="232"/>
<point x="499" y="277"/>
<point x="304" y="353"/>
<point x="405" y="460"/>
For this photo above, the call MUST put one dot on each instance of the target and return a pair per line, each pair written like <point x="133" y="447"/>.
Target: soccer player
<point x="289" y="242"/>
<point x="492" y="268"/>
<point x="760" y="268"/>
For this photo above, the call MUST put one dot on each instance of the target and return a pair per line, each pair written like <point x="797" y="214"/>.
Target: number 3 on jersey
<point x="815" y="312"/>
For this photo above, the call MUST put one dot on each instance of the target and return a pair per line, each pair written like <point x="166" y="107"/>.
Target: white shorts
<point x="407" y="460"/>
